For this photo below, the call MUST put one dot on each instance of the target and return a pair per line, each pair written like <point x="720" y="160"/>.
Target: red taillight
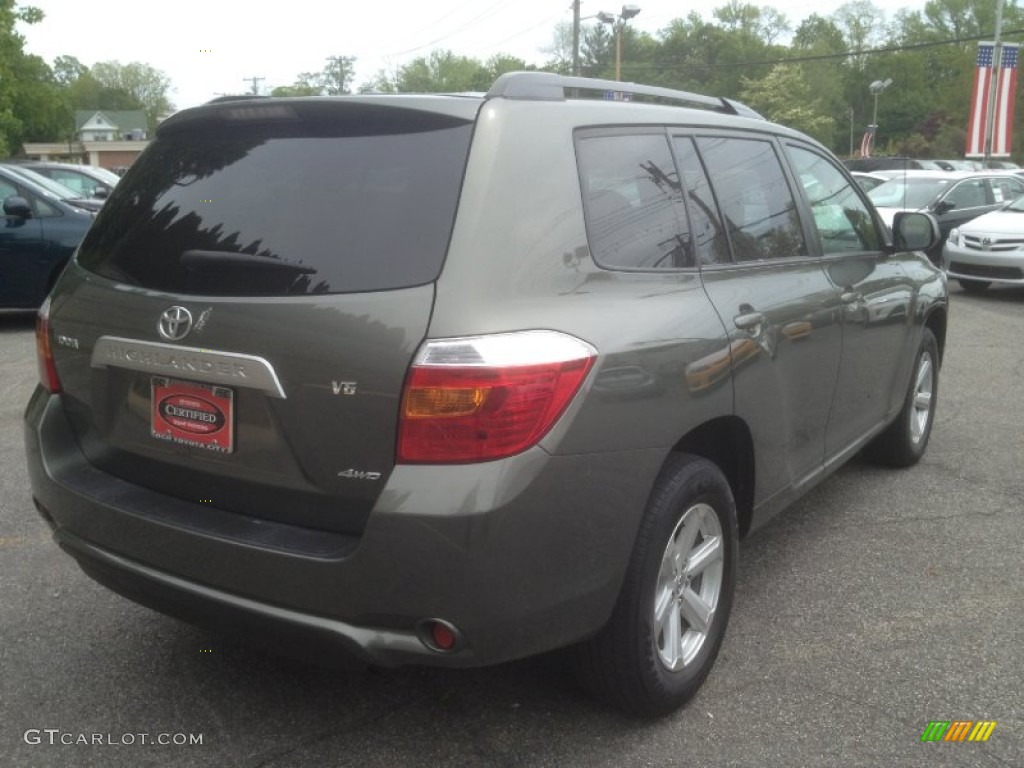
<point x="488" y="397"/>
<point x="44" y="352"/>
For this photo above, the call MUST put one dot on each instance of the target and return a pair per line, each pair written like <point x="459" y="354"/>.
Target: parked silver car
<point x="85" y="180"/>
<point x="988" y="249"/>
<point x="456" y="380"/>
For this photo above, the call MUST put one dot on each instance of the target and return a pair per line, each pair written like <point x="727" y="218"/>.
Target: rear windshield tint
<point x="285" y="209"/>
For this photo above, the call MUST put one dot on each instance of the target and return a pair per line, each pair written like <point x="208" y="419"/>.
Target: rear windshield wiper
<point x="197" y="259"/>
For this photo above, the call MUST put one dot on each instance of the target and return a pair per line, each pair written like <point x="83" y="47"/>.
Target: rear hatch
<point x="239" y="322"/>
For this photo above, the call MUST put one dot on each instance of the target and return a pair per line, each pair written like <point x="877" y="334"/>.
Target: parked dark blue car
<point x="38" y="234"/>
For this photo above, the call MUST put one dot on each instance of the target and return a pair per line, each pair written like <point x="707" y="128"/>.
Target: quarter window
<point x="756" y="202"/>
<point x="632" y="203"/>
<point x="1004" y="190"/>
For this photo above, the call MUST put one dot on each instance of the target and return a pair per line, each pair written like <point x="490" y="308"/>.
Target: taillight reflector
<point x="44" y="351"/>
<point x="488" y="397"/>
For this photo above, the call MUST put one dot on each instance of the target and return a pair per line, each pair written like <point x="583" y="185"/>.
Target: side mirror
<point x="17" y="206"/>
<point x="101" y="193"/>
<point x="914" y="231"/>
<point x="943" y="206"/>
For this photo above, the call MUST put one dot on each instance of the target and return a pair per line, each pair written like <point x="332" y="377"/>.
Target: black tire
<point x="623" y="664"/>
<point x="974" y="286"/>
<point x="903" y="442"/>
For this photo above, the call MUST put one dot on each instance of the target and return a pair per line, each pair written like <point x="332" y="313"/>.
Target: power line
<point x="820" y="57"/>
<point x="486" y="12"/>
<point x="528" y="29"/>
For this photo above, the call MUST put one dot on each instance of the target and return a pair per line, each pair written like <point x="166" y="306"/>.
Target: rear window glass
<point x="285" y="209"/>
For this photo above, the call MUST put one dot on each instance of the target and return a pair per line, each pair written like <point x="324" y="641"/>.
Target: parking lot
<point x="880" y="602"/>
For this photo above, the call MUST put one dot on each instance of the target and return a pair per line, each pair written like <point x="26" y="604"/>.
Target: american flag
<point x="867" y="141"/>
<point x="1002" y="119"/>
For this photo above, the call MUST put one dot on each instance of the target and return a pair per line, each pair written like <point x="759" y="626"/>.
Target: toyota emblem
<point x="175" y="323"/>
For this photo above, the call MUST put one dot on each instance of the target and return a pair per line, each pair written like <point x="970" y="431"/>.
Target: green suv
<point x="455" y="380"/>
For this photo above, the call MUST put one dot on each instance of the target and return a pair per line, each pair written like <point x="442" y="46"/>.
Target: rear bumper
<point x="291" y="631"/>
<point x="522" y="555"/>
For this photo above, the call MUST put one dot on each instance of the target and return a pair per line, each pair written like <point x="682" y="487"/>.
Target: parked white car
<point x="988" y="249"/>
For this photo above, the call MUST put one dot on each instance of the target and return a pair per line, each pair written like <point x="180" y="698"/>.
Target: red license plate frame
<point x="192" y="413"/>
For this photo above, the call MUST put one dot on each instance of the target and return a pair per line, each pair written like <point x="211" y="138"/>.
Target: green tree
<point x="30" y="104"/>
<point x="382" y="82"/>
<point x="146" y="85"/>
<point x="863" y="26"/>
<point x="86" y="92"/>
<point x="67" y="70"/>
<point x="441" y="72"/>
<point x="597" y="51"/>
<point x="820" y="43"/>
<point x="299" y="89"/>
<point x="785" y="96"/>
<point x="560" y="49"/>
<point x="335" y="79"/>
<point x="762" y="22"/>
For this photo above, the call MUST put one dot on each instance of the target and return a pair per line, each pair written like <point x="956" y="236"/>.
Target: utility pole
<point x="575" y="38"/>
<point x="255" y="84"/>
<point x="851" y="131"/>
<point x="997" y="60"/>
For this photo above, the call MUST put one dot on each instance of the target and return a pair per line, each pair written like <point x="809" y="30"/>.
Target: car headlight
<point x="954" y="237"/>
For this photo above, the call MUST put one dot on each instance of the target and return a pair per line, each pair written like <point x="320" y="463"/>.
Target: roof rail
<point x="547" y="86"/>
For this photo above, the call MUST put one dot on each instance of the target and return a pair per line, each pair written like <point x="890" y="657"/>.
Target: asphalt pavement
<point x="880" y="602"/>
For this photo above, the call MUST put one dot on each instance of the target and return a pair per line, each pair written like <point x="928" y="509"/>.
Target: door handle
<point x="749" y="320"/>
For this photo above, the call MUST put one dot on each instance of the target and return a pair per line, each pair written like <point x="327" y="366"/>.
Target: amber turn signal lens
<point x="432" y="402"/>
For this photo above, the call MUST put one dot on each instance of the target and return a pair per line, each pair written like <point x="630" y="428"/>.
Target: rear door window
<point x="968" y="194"/>
<point x="632" y="202"/>
<point x="284" y="208"/>
<point x="709" y="236"/>
<point x="757" y="205"/>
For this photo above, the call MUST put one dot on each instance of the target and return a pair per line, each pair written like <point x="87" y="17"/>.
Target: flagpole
<point x="997" y="60"/>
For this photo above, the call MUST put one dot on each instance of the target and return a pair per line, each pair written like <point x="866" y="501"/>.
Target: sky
<point x="210" y="48"/>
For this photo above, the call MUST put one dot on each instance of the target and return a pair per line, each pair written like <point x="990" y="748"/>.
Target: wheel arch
<point x="726" y="441"/>
<point x="936" y="323"/>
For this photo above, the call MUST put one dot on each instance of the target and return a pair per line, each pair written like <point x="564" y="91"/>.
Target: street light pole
<point x="876" y="89"/>
<point x="618" y="50"/>
<point x="618" y="24"/>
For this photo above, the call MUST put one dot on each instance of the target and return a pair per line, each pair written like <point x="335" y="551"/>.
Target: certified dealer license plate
<point x="194" y="414"/>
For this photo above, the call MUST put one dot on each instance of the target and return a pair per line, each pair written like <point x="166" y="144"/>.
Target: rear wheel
<point x="974" y="286"/>
<point x="670" y="618"/>
<point x="904" y="441"/>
